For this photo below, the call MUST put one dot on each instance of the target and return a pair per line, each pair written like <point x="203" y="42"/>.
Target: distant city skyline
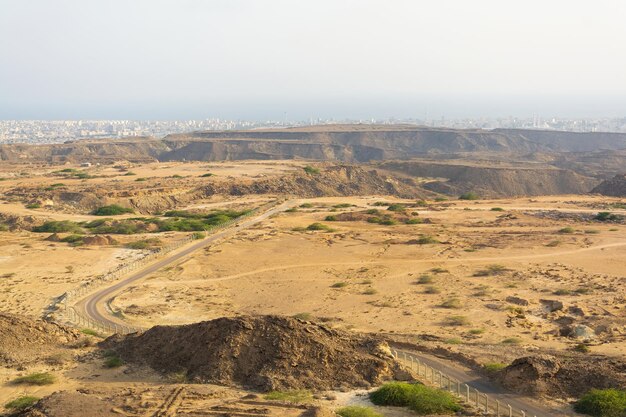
<point x="280" y="59"/>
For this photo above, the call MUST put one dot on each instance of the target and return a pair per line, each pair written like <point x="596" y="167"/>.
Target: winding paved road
<point x="94" y="305"/>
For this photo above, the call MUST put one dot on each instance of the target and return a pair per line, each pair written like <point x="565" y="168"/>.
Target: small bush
<point x="357" y="411"/>
<point x="21" y="403"/>
<point x="438" y="270"/>
<point x="39" y="378"/>
<point x="477" y="331"/>
<point x="330" y="218"/>
<point x="426" y="240"/>
<point x="432" y="290"/>
<point x="113" y="361"/>
<point x="91" y="332"/>
<point x="396" y="207"/>
<point x="453" y="341"/>
<point x="567" y="230"/>
<point x="370" y="291"/>
<point x="294" y="396"/>
<point x="562" y="291"/>
<point x="339" y="285"/>
<point x="469" y="196"/>
<point x="141" y="179"/>
<point x="310" y="170"/>
<point x="147" y="243"/>
<point x="497" y="209"/>
<point x="602" y="403"/>
<point x="64" y="226"/>
<point x="129" y="174"/>
<point x="605" y="216"/>
<point x="512" y="341"/>
<point x="420" y="398"/>
<point x="582" y="348"/>
<point x="112" y="210"/>
<point x="306" y="205"/>
<point x="491" y="270"/>
<point x="456" y="321"/>
<point x="425" y="279"/>
<point x="319" y="226"/>
<point x="451" y="303"/>
<point x="303" y="316"/>
<point x="553" y="244"/>
<point x="494" y="367"/>
<point x="33" y="206"/>
<point x="208" y="174"/>
<point x="413" y="221"/>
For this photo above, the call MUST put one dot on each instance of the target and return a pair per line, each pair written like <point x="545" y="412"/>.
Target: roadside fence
<point x="464" y="391"/>
<point x="62" y="303"/>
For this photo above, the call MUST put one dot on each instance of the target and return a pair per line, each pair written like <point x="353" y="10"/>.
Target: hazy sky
<point x="257" y="59"/>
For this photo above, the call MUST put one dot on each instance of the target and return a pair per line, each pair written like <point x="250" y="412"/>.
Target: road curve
<point x="93" y="306"/>
<point x="466" y="376"/>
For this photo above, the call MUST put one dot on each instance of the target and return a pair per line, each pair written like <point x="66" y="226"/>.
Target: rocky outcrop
<point x="615" y="187"/>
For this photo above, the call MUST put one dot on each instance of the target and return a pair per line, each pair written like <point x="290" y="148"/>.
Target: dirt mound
<point x="615" y="187"/>
<point x="261" y="352"/>
<point x="340" y="180"/>
<point x="26" y="340"/>
<point x="70" y="404"/>
<point x="546" y="375"/>
<point x="99" y="240"/>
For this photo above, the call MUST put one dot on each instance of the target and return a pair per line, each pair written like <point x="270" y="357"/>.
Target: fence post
<point x="467" y="397"/>
<point x="510" y="410"/>
<point x="497" y="408"/>
<point x="486" y="403"/>
<point x="477" y="400"/>
<point x="523" y="413"/>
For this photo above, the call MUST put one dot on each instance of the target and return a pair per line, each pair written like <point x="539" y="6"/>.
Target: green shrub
<point x="63" y="226"/>
<point x="494" y="367"/>
<point x="388" y="222"/>
<point x="602" y="403"/>
<point x="142" y="179"/>
<point x="396" y="207"/>
<point x="456" y="321"/>
<point x="331" y="218"/>
<point x="432" y="290"/>
<point x="310" y="170"/>
<point x="582" y="348"/>
<point x="567" y="230"/>
<point x="477" y="331"/>
<point x="113" y="361"/>
<point x="357" y="411"/>
<point x="208" y="174"/>
<point x="111" y="210"/>
<point x="319" y="226"/>
<point x="605" y="216"/>
<point x="469" y="196"/>
<point x="198" y="235"/>
<point x="33" y="206"/>
<point x="553" y="244"/>
<point x="129" y="174"/>
<point x="370" y="291"/>
<point x="293" y="396"/>
<point x="21" y="403"/>
<point x="438" y="270"/>
<point x="303" y="316"/>
<point x="426" y="240"/>
<point x="413" y="221"/>
<point x="512" y="341"/>
<point x="4" y="227"/>
<point x="491" y="270"/>
<point x="453" y="341"/>
<point x="343" y="205"/>
<point x="339" y="285"/>
<point x="425" y="279"/>
<point x="497" y="209"/>
<point x="420" y="398"/>
<point x="373" y="212"/>
<point x="73" y="239"/>
<point x="306" y="205"/>
<point x="91" y="332"/>
<point x="292" y="210"/>
<point x="451" y="303"/>
<point x="39" y="378"/>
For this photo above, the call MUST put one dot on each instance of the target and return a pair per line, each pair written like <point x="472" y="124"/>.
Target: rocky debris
<point x="577" y="311"/>
<point x="566" y="377"/>
<point x="261" y="352"/>
<point x="25" y="340"/>
<point x="614" y="187"/>
<point x="15" y="223"/>
<point x="54" y="237"/>
<point x="71" y="404"/>
<point x="99" y="240"/>
<point x="517" y="300"/>
<point x="551" y="305"/>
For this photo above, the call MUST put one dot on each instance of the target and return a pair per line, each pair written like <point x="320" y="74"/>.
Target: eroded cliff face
<point x="614" y="187"/>
<point x="351" y="143"/>
<point x="496" y="181"/>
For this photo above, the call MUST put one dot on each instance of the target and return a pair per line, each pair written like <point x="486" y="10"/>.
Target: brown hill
<point x="24" y="340"/>
<point x="261" y="352"/>
<point x="615" y="187"/>
<point x="493" y="180"/>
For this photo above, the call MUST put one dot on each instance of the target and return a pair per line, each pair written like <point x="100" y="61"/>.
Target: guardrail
<point x="464" y="391"/>
<point x="74" y="317"/>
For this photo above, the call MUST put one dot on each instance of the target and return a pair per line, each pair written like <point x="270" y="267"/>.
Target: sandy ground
<point x="364" y="276"/>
